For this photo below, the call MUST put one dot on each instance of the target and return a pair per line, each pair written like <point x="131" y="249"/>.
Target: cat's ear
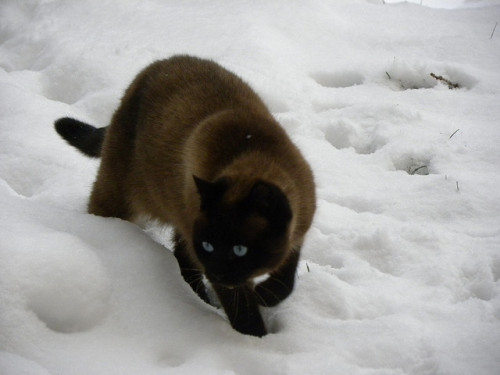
<point x="269" y="201"/>
<point x="210" y="192"/>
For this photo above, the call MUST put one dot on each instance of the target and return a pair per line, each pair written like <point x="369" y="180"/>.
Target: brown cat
<point x="192" y="145"/>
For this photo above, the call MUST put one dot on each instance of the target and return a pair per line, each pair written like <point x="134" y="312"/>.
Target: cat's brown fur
<point x="192" y="145"/>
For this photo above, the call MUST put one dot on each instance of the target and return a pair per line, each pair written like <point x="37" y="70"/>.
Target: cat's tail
<point x="86" y="138"/>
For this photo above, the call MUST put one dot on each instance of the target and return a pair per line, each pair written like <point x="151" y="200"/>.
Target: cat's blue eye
<point x="207" y="246"/>
<point x="240" y="250"/>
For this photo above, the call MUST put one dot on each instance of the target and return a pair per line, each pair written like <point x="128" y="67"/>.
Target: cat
<point x="193" y="146"/>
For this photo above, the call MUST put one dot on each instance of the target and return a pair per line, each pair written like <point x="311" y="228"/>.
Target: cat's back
<point x="187" y="89"/>
<point x="173" y="98"/>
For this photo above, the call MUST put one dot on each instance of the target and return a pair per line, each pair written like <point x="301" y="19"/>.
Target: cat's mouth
<point x="231" y="281"/>
<point x="227" y="281"/>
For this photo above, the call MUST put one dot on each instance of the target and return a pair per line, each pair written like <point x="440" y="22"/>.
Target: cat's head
<point x="241" y="232"/>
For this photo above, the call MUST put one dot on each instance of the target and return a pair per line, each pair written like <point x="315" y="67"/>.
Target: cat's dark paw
<point x="254" y="328"/>
<point x="271" y="292"/>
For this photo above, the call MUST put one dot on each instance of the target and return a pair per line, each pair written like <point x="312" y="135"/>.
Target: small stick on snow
<point x="493" y="32"/>
<point x="388" y="75"/>
<point x="458" y="188"/>
<point x="450" y="84"/>
<point x="455" y="132"/>
<point x="308" y="270"/>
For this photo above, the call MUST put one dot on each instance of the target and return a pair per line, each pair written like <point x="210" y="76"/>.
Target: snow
<point x="400" y="271"/>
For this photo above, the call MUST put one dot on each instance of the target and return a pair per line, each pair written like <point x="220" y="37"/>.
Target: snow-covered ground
<point x="400" y="273"/>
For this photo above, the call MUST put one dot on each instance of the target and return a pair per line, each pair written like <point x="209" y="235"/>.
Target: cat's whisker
<point x="271" y="292"/>
<point x="191" y="269"/>
<point x="248" y="300"/>
<point x="192" y="278"/>
<point x="283" y="284"/>
<point x="261" y="300"/>
<point x="235" y="303"/>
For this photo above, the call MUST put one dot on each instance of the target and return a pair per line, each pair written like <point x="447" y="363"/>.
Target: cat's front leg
<point x="280" y="283"/>
<point x="242" y="309"/>
<point x="191" y="274"/>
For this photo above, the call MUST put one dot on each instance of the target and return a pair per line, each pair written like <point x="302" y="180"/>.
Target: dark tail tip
<point x="84" y="137"/>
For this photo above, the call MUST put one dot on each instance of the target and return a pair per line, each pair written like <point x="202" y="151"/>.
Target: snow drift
<point x="400" y="273"/>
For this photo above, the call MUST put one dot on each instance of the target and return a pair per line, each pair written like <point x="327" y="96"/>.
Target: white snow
<point x="400" y="272"/>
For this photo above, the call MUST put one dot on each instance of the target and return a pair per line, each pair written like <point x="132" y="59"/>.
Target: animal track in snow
<point x="344" y="134"/>
<point x="413" y="165"/>
<point x="412" y="76"/>
<point x="72" y="82"/>
<point x="171" y="358"/>
<point x="479" y="280"/>
<point x="340" y="79"/>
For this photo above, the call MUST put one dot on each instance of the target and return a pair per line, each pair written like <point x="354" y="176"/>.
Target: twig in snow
<point x="450" y="84"/>
<point x="308" y="270"/>
<point x="388" y="75"/>
<point x="493" y="32"/>
<point x="455" y="132"/>
<point x="458" y="188"/>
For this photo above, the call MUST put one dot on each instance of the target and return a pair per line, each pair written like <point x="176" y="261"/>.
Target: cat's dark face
<point x="243" y="239"/>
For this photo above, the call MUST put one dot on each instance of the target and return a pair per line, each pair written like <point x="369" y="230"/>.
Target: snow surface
<point x="400" y="272"/>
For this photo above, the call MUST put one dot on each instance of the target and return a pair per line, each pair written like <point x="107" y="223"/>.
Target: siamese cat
<point x="193" y="146"/>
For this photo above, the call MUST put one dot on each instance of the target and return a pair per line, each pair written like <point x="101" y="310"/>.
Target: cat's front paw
<point x="255" y="327"/>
